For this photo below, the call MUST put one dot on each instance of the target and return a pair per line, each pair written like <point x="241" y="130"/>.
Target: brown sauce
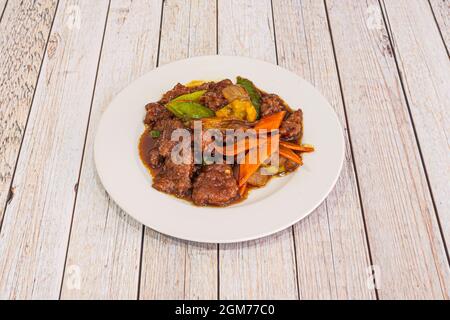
<point x="147" y="143"/>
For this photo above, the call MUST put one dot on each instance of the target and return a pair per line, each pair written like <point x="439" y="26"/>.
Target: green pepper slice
<point x="188" y="110"/>
<point x="255" y="96"/>
<point x="194" y="96"/>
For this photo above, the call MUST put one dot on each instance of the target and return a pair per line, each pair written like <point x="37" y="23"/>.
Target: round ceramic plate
<point x="283" y="202"/>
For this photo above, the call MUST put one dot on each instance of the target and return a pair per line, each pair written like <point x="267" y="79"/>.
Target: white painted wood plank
<point x="265" y="268"/>
<point x="403" y="233"/>
<point x="425" y="70"/>
<point x="105" y="243"/>
<point x="24" y="31"/>
<point x="171" y="268"/>
<point x="2" y="7"/>
<point x="332" y="253"/>
<point x="441" y="10"/>
<point x="34" y="237"/>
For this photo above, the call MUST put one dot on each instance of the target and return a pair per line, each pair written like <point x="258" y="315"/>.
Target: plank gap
<point x="3" y="9"/>
<point x="439" y="26"/>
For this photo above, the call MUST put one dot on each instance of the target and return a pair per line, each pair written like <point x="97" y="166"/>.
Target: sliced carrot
<point x="271" y="122"/>
<point x="291" y="155"/>
<point x="297" y="147"/>
<point x="242" y="189"/>
<point x="247" y="169"/>
<point x="251" y="142"/>
<point x="307" y="148"/>
<point x="290" y="145"/>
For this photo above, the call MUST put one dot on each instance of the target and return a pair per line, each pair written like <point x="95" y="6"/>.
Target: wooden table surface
<point x="383" y="65"/>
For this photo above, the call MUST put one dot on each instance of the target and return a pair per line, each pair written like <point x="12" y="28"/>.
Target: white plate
<point x="268" y="210"/>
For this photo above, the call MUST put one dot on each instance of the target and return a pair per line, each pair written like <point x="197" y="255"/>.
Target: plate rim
<point x="260" y="235"/>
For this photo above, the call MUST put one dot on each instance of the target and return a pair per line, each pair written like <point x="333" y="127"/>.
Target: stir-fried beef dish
<point x="215" y="185"/>
<point x="212" y="142"/>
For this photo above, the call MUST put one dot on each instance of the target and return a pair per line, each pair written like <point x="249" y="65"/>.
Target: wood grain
<point x="441" y="10"/>
<point x="425" y="73"/>
<point x="171" y="268"/>
<point x="33" y="240"/>
<point x="24" y="31"/>
<point x="403" y="232"/>
<point x="265" y="268"/>
<point x="331" y="246"/>
<point x="105" y="243"/>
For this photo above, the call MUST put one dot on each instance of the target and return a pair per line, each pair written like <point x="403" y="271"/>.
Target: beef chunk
<point x="289" y="165"/>
<point x="215" y="185"/>
<point x="270" y="104"/>
<point x="180" y="90"/>
<point x="174" y="178"/>
<point x="148" y="150"/>
<point x="213" y="98"/>
<point x="154" y="159"/>
<point x="203" y="86"/>
<point x="177" y="91"/>
<point x="219" y="86"/>
<point x="155" y="113"/>
<point x="292" y="127"/>
<point x="162" y="146"/>
<point x="166" y="128"/>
